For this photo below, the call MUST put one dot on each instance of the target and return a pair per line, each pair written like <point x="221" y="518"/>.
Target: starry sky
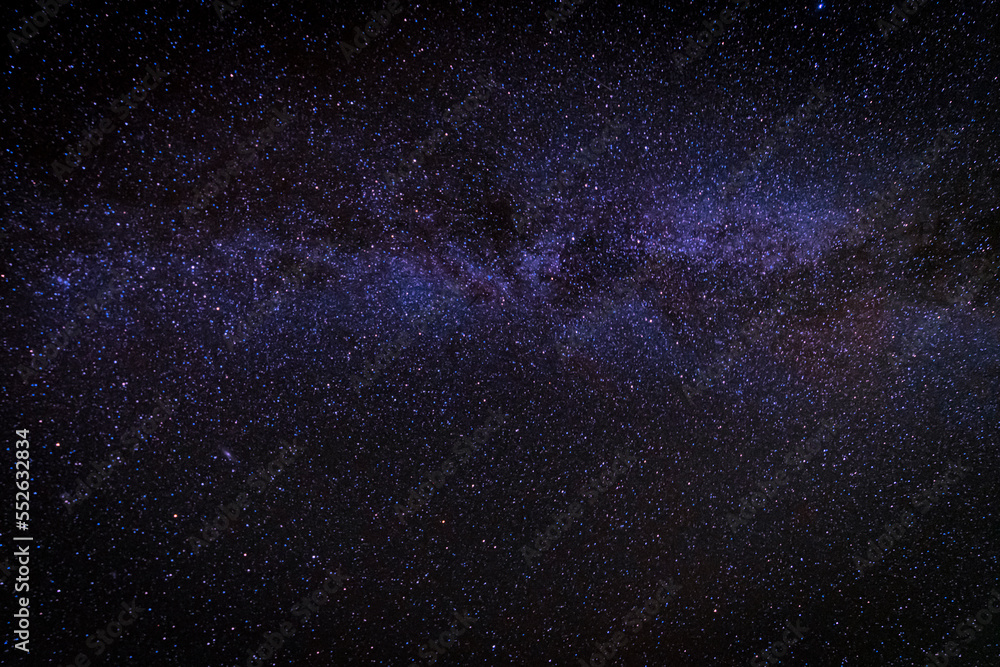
<point x="701" y="260"/>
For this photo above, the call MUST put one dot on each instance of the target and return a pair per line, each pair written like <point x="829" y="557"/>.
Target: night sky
<point x="504" y="334"/>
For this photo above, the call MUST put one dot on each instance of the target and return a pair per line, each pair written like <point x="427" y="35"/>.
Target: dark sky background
<point x="641" y="312"/>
